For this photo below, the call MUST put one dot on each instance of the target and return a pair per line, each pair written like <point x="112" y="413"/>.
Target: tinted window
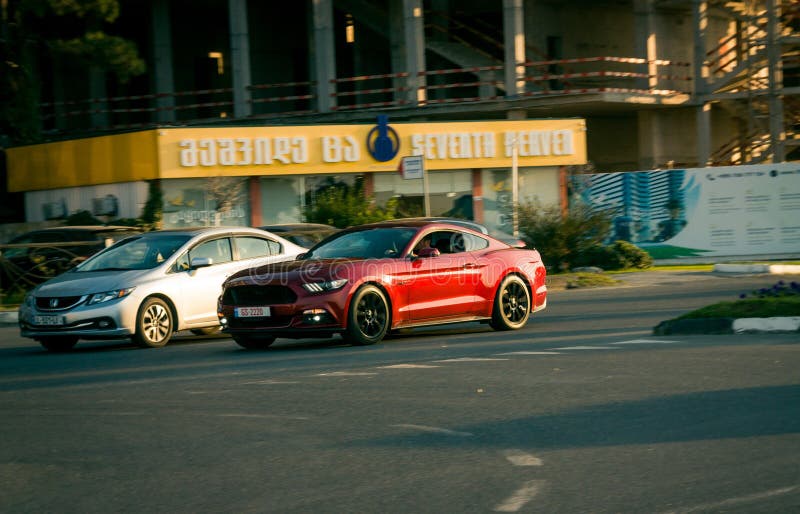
<point x="218" y="250"/>
<point x="252" y="247"/>
<point x="472" y="243"/>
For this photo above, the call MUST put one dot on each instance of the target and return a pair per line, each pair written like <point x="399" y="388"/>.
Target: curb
<point x="778" y="269"/>
<point x="784" y="324"/>
<point x="9" y="317"/>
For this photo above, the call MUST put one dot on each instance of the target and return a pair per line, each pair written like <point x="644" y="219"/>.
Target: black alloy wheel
<point x="368" y="319"/>
<point x="512" y="304"/>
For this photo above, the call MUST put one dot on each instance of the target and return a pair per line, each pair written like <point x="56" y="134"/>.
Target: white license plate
<point x="251" y="312"/>
<point x="48" y="320"/>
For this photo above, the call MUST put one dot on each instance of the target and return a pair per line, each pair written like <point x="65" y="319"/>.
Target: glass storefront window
<point x="284" y="199"/>
<point x="205" y="202"/>
<point x="535" y="184"/>
<point x="450" y="193"/>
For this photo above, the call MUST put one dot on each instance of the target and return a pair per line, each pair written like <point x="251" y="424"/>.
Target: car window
<point x="49" y="237"/>
<point x="218" y="250"/>
<point x="251" y="247"/>
<point x="472" y="243"/>
<point x="182" y="263"/>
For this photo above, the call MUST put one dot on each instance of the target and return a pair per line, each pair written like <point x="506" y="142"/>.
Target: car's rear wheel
<point x="58" y="343"/>
<point x="512" y="304"/>
<point x="207" y="331"/>
<point x="154" y="324"/>
<point x="253" y="343"/>
<point x="368" y="317"/>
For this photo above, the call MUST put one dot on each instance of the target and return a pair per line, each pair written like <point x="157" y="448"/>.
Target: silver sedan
<point x="147" y="286"/>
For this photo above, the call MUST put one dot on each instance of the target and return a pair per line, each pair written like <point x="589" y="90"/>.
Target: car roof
<point x="194" y="231"/>
<point x="420" y="221"/>
<point x="412" y="223"/>
<point x="297" y="227"/>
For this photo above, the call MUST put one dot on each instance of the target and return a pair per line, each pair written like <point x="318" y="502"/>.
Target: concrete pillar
<point x="324" y="54"/>
<point x="700" y="81"/>
<point x="414" y="35"/>
<point x="240" y="58"/>
<point x="397" y="49"/>
<point x="162" y="69"/>
<point x="776" y="124"/>
<point x="645" y="43"/>
<point x="514" y="41"/>
<point x="99" y="115"/>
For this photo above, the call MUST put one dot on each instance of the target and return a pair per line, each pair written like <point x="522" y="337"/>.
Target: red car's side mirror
<point x="428" y="252"/>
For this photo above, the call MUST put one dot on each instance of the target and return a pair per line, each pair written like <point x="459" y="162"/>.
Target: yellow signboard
<point x="83" y="162"/>
<point x="291" y="150"/>
<point x="238" y="151"/>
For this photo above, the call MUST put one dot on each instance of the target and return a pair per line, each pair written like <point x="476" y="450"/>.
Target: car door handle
<point x="470" y="265"/>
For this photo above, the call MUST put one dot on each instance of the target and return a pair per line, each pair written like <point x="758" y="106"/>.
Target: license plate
<point x="48" y="320"/>
<point x="251" y="312"/>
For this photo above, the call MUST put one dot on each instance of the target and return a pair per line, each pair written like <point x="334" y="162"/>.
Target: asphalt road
<point x="582" y="411"/>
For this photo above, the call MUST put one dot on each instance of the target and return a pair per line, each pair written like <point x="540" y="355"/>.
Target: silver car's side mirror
<point x="201" y="262"/>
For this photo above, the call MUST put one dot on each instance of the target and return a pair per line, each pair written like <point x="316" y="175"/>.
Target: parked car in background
<point x="303" y="234"/>
<point x="147" y="286"/>
<point x="38" y="255"/>
<point x="367" y="280"/>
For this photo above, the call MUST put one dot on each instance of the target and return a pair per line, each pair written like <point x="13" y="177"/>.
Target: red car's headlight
<point x="320" y="287"/>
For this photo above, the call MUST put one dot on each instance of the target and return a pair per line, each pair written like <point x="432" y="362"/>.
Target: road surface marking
<point x="521" y="496"/>
<point x="261" y="416"/>
<point x="269" y="382"/>
<point x="408" y="366"/>
<point x="718" y="506"/>
<point x="346" y="374"/>
<point x="645" y="341"/>
<point x="529" y="353"/>
<point x="520" y="458"/>
<point x="471" y="359"/>
<point x="586" y="348"/>
<point x="436" y="430"/>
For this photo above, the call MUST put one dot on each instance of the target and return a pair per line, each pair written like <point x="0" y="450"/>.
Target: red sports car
<point x="367" y="280"/>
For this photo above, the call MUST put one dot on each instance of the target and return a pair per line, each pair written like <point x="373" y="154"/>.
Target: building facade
<point x="659" y="83"/>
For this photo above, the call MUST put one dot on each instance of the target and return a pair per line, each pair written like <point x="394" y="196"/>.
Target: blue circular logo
<point x="383" y="143"/>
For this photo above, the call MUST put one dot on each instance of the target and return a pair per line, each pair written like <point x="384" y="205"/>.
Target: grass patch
<point x="579" y="280"/>
<point x="749" y="308"/>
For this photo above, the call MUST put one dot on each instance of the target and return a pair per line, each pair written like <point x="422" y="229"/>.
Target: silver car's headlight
<point x="319" y="287"/>
<point x="109" y="295"/>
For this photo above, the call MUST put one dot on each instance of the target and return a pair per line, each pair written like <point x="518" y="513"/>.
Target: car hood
<point x="291" y="271"/>
<point x="80" y="283"/>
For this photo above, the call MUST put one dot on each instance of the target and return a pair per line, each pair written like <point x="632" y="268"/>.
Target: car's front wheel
<point x="154" y="324"/>
<point x="368" y="318"/>
<point x="58" y="343"/>
<point x="253" y="343"/>
<point x="512" y="304"/>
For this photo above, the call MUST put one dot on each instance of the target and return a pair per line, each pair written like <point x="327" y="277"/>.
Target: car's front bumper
<point x="114" y="319"/>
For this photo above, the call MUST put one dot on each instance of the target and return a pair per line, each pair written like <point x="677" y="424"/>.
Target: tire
<point x="206" y="331"/>
<point x="253" y="343"/>
<point x="154" y="324"/>
<point x="512" y="304"/>
<point x="58" y="343"/>
<point x="368" y="317"/>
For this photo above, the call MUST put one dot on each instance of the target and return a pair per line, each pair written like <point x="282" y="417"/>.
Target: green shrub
<point x="563" y="238"/>
<point x="342" y="205"/>
<point x="631" y="256"/>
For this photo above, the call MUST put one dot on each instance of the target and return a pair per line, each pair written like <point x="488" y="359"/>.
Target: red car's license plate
<point x="251" y="312"/>
<point x="53" y="321"/>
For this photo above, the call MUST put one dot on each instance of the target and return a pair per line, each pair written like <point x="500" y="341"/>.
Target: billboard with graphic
<point x="721" y="211"/>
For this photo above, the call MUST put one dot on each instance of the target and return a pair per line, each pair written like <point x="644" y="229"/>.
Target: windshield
<point x="375" y="243"/>
<point x="135" y="253"/>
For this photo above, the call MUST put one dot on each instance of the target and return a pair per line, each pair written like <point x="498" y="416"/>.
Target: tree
<point x="342" y="205"/>
<point x="33" y="32"/>
<point x="563" y="238"/>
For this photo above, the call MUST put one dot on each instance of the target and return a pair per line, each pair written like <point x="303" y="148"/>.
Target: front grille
<point x="57" y="303"/>
<point x="244" y="296"/>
